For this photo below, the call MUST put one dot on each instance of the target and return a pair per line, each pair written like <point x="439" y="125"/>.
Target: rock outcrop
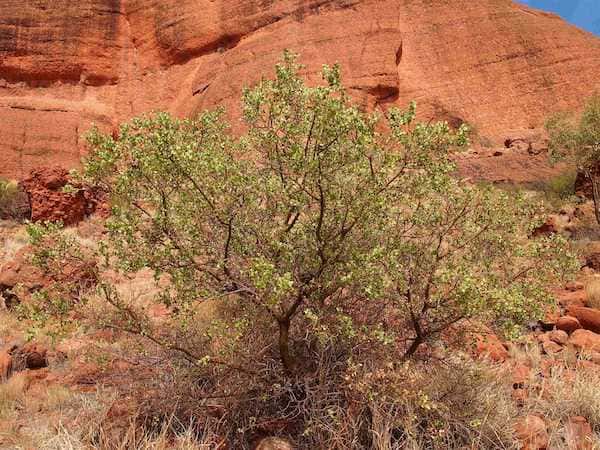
<point x="493" y="63"/>
<point x="49" y="201"/>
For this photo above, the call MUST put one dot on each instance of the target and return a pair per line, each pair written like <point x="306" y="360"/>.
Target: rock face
<point x="65" y="65"/>
<point x="47" y="199"/>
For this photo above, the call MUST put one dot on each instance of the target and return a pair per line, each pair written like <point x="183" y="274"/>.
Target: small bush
<point x="14" y="204"/>
<point x="563" y="185"/>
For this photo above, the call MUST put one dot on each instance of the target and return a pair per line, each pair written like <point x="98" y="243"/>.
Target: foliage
<point x="68" y="272"/>
<point x="320" y="220"/>
<point x="579" y="141"/>
<point x="562" y="185"/>
<point x="13" y="202"/>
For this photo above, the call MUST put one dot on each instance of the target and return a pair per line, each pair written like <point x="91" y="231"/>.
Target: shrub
<point x="578" y="139"/>
<point x="323" y="238"/>
<point x="563" y="185"/>
<point x="14" y="203"/>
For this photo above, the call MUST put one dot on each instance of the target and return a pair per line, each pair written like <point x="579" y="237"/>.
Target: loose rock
<point x="589" y="318"/>
<point x="490" y="346"/>
<point x="568" y="324"/>
<point x="551" y="348"/>
<point x="559" y="336"/>
<point x="585" y="340"/>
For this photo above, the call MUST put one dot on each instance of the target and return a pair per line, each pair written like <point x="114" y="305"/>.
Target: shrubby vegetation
<point x="337" y="252"/>
<point x="562" y="186"/>
<point x="13" y="202"/>
<point x="578" y="139"/>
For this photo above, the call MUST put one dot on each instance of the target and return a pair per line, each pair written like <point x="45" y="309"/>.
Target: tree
<point x="319" y="220"/>
<point x="579" y="141"/>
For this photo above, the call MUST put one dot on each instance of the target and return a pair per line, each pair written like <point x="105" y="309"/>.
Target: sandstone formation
<point x="498" y="65"/>
<point x="48" y="200"/>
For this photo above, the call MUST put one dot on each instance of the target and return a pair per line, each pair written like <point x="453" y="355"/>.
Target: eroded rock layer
<point x="65" y="65"/>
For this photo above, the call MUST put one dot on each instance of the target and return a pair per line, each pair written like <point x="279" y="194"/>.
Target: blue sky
<point x="583" y="13"/>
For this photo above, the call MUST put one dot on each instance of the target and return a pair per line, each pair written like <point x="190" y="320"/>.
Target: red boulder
<point x="585" y="340"/>
<point x="568" y="324"/>
<point x="589" y="318"/>
<point x="49" y="201"/>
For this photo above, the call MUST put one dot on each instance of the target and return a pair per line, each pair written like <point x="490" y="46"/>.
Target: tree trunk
<point x="413" y="348"/>
<point x="284" y="346"/>
<point x="595" y="193"/>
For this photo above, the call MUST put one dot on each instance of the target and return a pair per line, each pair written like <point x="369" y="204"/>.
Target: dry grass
<point x="13" y="238"/>
<point x="9" y="324"/>
<point x="568" y="390"/>
<point x="12" y="396"/>
<point x="592" y="289"/>
<point x="133" y="438"/>
<point x="452" y="407"/>
<point x="563" y="395"/>
<point x="460" y="405"/>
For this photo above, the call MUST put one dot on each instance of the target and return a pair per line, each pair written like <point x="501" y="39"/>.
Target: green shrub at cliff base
<point x="11" y="200"/>
<point x="313" y="227"/>
<point x="578" y="140"/>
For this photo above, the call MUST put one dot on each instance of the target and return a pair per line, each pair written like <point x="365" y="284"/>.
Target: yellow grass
<point x="592" y="289"/>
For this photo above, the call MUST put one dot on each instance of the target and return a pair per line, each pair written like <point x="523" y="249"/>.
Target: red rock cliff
<point x="65" y="65"/>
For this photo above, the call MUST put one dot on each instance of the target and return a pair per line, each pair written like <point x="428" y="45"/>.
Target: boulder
<point x="48" y="200"/>
<point x="32" y="356"/>
<point x="569" y="299"/>
<point x="35" y="356"/>
<point x="589" y="318"/>
<point x="594" y="357"/>
<point x="551" y="348"/>
<point x="520" y="375"/>
<point x="538" y="147"/>
<point x="559" y="337"/>
<point x="491" y="347"/>
<point x="518" y="144"/>
<point x="549" y="227"/>
<point x="585" y="340"/>
<point x="551" y="315"/>
<point x="568" y="324"/>
<point x="20" y="272"/>
<point x="532" y="433"/>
